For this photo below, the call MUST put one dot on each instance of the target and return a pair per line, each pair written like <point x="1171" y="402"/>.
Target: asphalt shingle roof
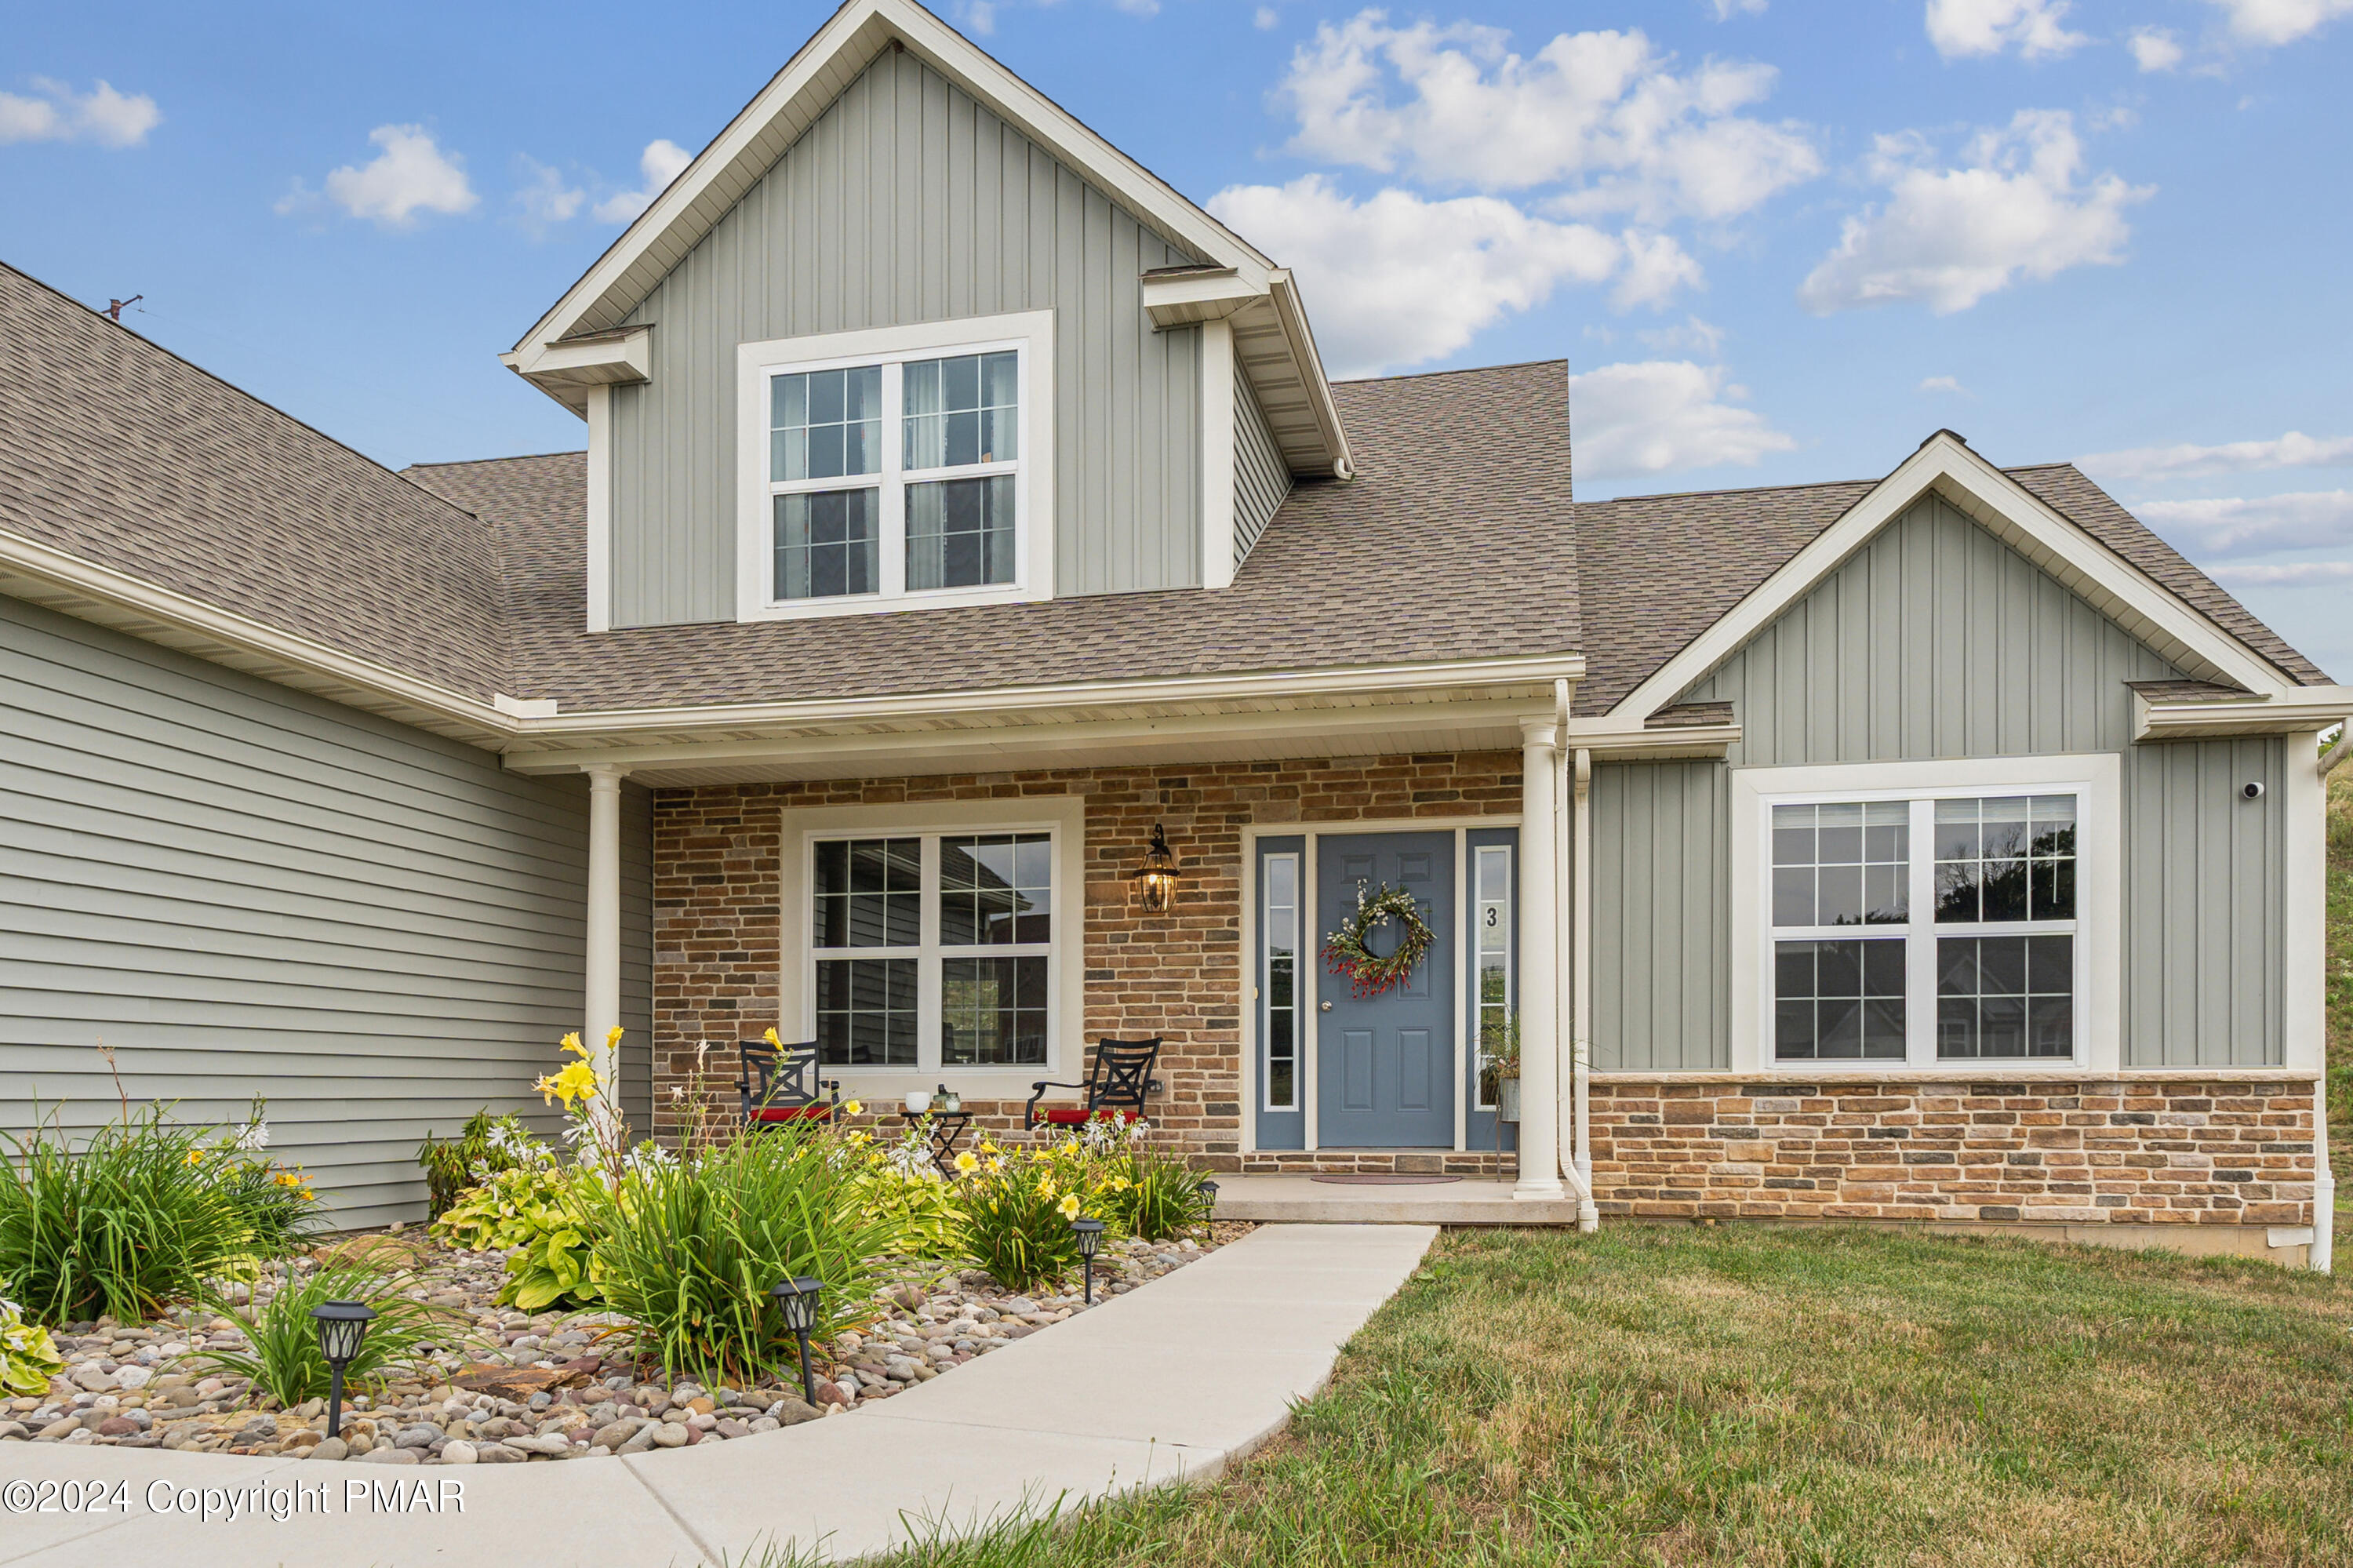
<point x="121" y="452"/>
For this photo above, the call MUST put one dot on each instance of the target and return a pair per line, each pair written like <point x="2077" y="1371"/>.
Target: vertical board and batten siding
<point x="1936" y="639"/>
<point x="1261" y="478"/>
<point x="245" y="889"/>
<point x="905" y="202"/>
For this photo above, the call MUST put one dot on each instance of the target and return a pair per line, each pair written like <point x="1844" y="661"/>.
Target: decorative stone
<point x="669" y="1434"/>
<point x="457" y="1451"/>
<point x="389" y="1456"/>
<point x="330" y="1448"/>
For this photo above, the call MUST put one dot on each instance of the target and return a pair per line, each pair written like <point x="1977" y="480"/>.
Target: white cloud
<point x="1266" y="19"/>
<point x="2154" y="48"/>
<point x="662" y="162"/>
<point x="1655" y="268"/>
<point x="410" y="174"/>
<point x="2016" y="206"/>
<point x="543" y="198"/>
<point x="1691" y="337"/>
<point x="1396" y="279"/>
<point x="102" y="115"/>
<point x="2280" y="21"/>
<point x="1943" y="384"/>
<point x="1599" y="110"/>
<point x="1725" y="10"/>
<point x="2301" y="574"/>
<point x="2035" y="27"/>
<point x="2185" y="461"/>
<point x="2251" y="526"/>
<point x="981" y="17"/>
<point x="1662" y="414"/>
<point x="1138" y="7"/>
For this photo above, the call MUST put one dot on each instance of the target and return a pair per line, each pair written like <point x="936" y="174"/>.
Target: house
<point x="962" y="506"/>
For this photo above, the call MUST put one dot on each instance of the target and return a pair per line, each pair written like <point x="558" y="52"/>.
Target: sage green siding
<point x="1261" y="479"/>
<point x="1936" y="640"/>
<point x="245" y="889"/>
<point x="906" y="201"/>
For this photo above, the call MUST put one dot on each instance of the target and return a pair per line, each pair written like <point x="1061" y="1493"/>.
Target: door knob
<point x="1327" y="1007"/>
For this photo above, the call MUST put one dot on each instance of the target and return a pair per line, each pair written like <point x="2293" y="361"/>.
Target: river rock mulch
<point x="531" y="1387"/>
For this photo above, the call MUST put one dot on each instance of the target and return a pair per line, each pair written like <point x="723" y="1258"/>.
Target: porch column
<point x="601" y="1008"/>
<point x="1539" y="965"/>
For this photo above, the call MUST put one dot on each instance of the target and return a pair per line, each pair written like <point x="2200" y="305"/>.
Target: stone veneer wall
<point x="2131" y="1151"/>
<point x="718" y="858"/>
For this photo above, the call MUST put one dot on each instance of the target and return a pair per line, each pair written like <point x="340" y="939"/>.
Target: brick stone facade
<point x="718" y="859"/>
<point x="2138" y="1149"/>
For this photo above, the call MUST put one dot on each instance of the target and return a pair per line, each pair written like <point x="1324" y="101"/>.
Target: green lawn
<point x="1657" y="1395"/>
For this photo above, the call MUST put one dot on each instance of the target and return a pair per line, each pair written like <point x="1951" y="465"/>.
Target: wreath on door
<point x="1348" y="951"/>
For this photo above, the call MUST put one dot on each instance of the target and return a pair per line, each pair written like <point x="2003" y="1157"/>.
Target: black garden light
<point x="1156" y="877"/>
<point x="797" y="1296"/>
<point x="1090" y="1238"/>
<point x="342" y="1326"/>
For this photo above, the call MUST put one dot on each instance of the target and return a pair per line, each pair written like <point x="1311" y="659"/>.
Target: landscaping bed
<point x="514" y="1386"/>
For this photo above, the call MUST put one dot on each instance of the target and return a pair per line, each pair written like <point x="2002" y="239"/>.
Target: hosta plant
<point x="544" y="1218"/>
<point x="29" y="1358"/>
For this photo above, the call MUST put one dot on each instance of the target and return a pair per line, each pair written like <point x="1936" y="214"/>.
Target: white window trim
<point x="1030" y="334"/>
<point x="1064" y="818"/>
<point x="2093" y="777"/>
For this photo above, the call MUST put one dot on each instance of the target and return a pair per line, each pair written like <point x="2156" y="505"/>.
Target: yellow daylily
<point x="966" y="1163"/>
<point x="576" y="1081"/>
<point x="771" y="1038"/>
<point x="1070" y="1206"/>
<point x="195" y="1157"/>
<point x="613" y="1036"/>
<point x="572" y="1043"/>
<point x="851" y="1108"/>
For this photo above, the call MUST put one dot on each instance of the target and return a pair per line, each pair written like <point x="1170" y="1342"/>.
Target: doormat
<point x="1385" y="1180"/>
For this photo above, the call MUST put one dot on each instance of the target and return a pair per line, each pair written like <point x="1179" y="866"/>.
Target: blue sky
<point x="1777" y="241"/>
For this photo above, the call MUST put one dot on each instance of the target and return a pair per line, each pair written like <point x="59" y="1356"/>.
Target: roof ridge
<point x="1561" y="360"/>
<point x="477" y="463"/>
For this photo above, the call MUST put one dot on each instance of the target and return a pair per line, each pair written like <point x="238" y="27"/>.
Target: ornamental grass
<point x="285" y="1361"/>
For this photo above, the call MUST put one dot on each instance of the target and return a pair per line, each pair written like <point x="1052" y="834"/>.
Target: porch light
<point x="1156" y="877"/>
<point x="797" y="1296"/>
<point x="1089" y="1233"/>
<point x="343" y="1325"/>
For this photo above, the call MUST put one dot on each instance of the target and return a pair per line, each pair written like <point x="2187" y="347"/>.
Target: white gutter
<point x="1575" y="849"/>
<point x="2322" y="1257"/>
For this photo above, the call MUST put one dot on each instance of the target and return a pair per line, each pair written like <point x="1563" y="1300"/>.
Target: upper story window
<point x="899" y="467"/>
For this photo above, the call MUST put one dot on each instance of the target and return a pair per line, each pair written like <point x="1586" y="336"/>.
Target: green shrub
<point x="1016" y="1210"/>
<point x="690" y="1251"/>
<point x="1160" y="1197"/>
<point x="130" y="1221"/>
<point x="29" y="1358"/>
<point x="485" y="1146"/>
<point x="284" y="1360"/>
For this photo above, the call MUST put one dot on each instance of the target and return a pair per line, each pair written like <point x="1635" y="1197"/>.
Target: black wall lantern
<point x="1090" y="1238"/>
<point x="343" y="1325"/>
<point x="1156" y="877"/>
<point x="797" y="1296"/>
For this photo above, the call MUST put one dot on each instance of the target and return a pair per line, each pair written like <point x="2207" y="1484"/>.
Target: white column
<point x="1539" y="965"/>
<point x="601" y="1008"/>
<point x="1588" y="1216"/>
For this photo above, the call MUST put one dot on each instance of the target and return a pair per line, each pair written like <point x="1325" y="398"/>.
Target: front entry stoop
<point x="1300" y="1200"/>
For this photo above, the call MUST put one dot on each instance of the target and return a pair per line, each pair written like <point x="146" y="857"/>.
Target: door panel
<point x="1387" y="1069"/>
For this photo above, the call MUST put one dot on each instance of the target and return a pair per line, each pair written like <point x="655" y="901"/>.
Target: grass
<point x="1816" y="1396"/>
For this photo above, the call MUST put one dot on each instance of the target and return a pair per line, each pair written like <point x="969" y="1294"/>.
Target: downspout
<point x="2322" y="1255"/>
<point x="1570" y="859"/>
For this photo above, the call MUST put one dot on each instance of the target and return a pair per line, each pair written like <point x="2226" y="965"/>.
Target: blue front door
<point x="1385" y="1067"/>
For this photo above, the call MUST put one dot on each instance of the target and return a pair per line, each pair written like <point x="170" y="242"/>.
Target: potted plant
<point x="1499" y="1049"/>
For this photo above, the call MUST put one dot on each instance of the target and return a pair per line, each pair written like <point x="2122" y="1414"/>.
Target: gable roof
<point x="1669" y="581"/>
<point x="575" y="342"/>
<point x="119" y="456"/>
<point x="1461" y="498"/>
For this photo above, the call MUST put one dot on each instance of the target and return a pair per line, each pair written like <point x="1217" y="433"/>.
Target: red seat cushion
<point x="1073" y="1117"/>
<point x="791" y="1112"/>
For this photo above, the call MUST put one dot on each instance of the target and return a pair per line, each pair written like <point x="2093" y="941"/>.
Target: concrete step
<point x="1301" y="1199"/>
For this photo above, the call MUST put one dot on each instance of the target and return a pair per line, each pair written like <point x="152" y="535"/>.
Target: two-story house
<point x="962" y="507"/>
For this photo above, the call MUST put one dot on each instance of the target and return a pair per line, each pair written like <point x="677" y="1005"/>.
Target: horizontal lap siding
<point x="1938" y="641"/>
<point x="906" y="201"/>
<point x="1261" y="479"/>
<point x="246" y="889"/>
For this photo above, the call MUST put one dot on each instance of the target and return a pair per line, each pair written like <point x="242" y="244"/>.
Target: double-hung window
<point x="932" y="950"/>
<point x="905" y="469"/>
<point x="1925" y="926"/>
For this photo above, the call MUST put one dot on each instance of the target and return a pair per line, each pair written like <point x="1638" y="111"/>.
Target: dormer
<point x="906" y="335"/>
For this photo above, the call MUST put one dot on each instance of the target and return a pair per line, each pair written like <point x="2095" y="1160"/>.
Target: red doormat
<point x="1385" y="1180"/>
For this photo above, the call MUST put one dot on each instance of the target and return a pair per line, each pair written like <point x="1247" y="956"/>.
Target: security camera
<point x="2250" y="792"/>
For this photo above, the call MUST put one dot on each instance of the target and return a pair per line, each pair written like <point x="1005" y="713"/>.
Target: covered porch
<point x="1278" y="797"/>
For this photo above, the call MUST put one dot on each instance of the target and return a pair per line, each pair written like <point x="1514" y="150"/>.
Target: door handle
<point x="1327" y="1007"/>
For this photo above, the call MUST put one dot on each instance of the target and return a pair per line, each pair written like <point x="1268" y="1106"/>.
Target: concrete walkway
<point x="1302" y="1199"/>
<point x="1172" y="1381"/>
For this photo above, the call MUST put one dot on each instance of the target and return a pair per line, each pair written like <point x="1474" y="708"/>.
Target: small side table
<point x="946" y="1128"/>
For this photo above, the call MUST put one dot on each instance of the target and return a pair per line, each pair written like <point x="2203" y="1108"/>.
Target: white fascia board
<point x="213" y="632"/>
<point x="1197" y="296"/>
<point x="2016" y="516"/>
<point x="2304" y="710"/>
<point x="1611" y="740"/>
<point x="694" y="202"/>
<point x="1292" y="313"/>
<point x="567" y="370"/>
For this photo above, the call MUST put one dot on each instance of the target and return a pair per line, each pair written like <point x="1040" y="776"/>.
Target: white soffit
<point x="1945" y="463"/>
<point x="2307" y="710"/>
